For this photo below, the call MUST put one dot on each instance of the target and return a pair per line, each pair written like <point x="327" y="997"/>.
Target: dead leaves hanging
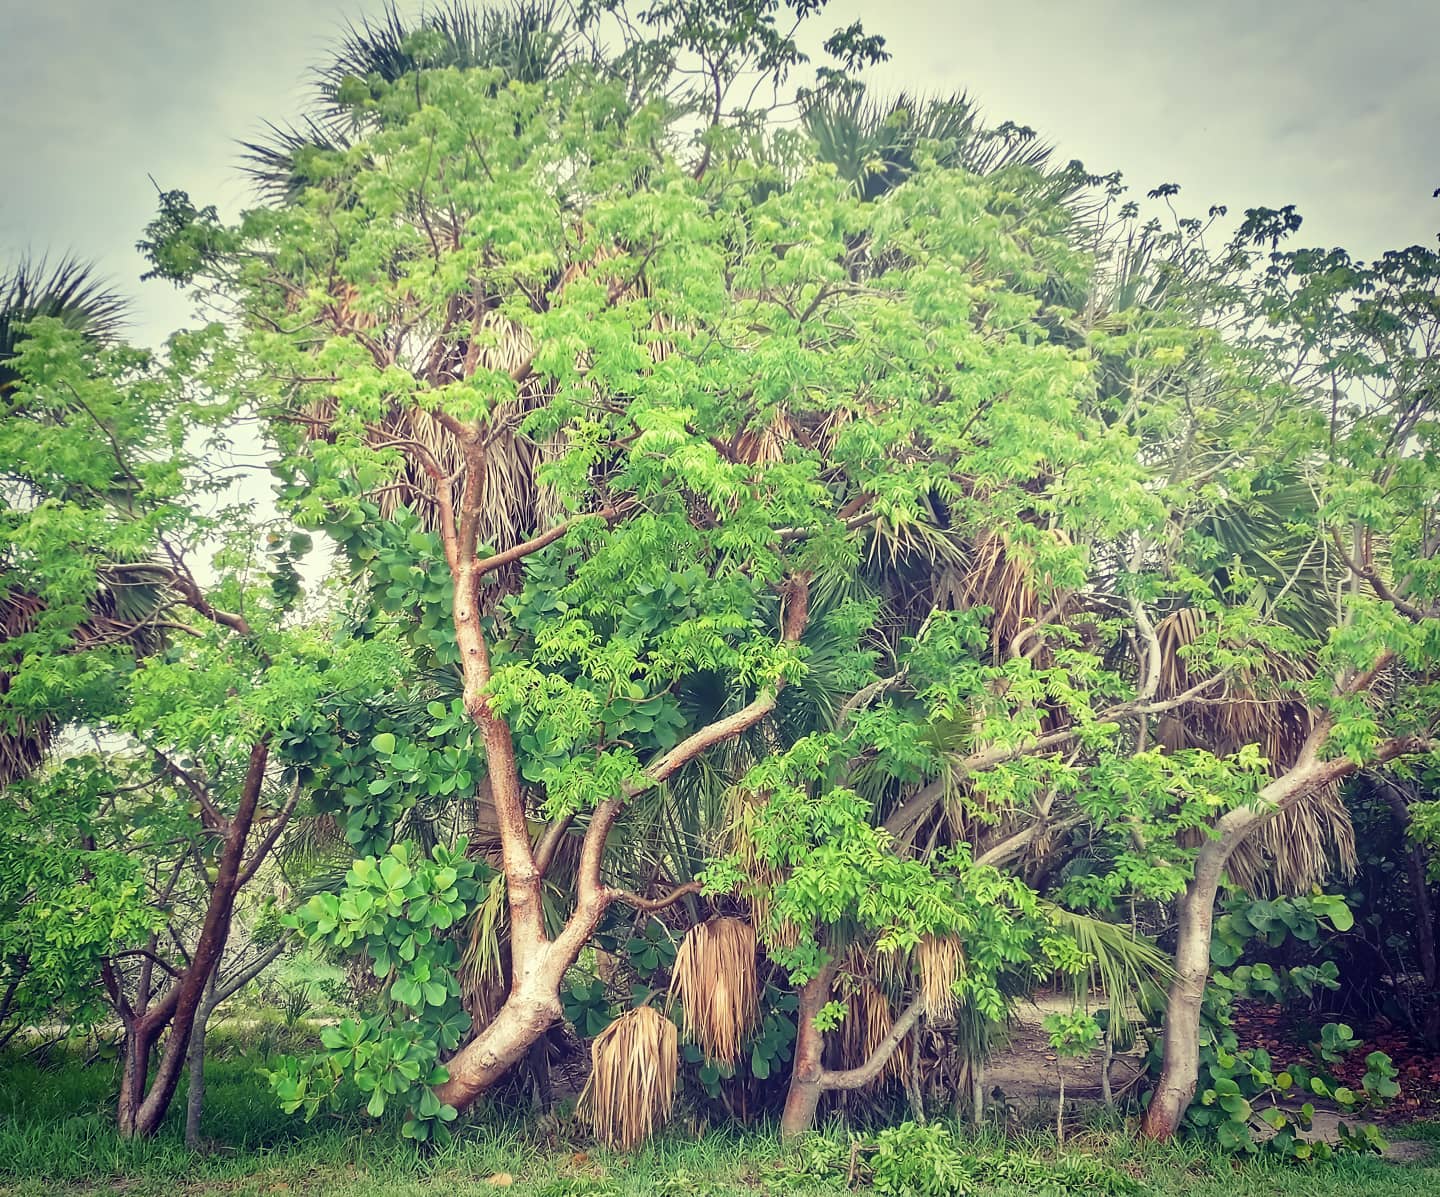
<point x="715" y="982"/>
<point x="634" y="1063"/>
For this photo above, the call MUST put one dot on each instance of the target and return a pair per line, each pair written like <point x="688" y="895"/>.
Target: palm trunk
<point x="1106" y="1059"/>
<point x="914" y="1094"/>
<point x="1060" y="1106"/>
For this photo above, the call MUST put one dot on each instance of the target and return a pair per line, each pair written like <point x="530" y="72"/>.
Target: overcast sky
<point x="1329" y="104"/>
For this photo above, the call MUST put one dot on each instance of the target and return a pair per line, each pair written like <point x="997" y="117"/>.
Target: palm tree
<point x="69" y="292"/>
<point x="876" y="144"/>
<point x="526" y="41"/>
<point x="129" y="596"/>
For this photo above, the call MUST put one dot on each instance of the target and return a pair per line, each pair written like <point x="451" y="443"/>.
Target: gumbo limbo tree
<point x="734" y="375"/>
<point x="128" y="862"/>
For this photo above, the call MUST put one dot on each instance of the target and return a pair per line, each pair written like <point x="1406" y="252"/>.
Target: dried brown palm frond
<point x="1000" y="578"/>
<point x="715" y="982"/>
<point x="127" y="607"/>
<point x="631" y="1089"/>
<point x="23" y="741"/>
<point x="765" y="446"/>
<point x="739" y="839"/>
<point x="1258" y="705"/>
<point x="868" y="1020"/>
<point x="1297" y="848"/>
<point x="1294" y="849"/>
<point x="939" y="963"/>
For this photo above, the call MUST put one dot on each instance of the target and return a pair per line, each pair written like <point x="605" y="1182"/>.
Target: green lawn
<point x="55" y="1138"/>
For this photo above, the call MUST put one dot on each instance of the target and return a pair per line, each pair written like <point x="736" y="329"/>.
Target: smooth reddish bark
<point x="143" y="1103"/>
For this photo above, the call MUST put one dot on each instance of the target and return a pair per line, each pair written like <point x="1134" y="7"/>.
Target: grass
<point x="56" y="1138"/>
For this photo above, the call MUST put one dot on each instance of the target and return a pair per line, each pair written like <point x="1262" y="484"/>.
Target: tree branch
<point x="908" y="815"/>
<point x="277" y="825"/>
<point x="1369" y="573"/>
<point x="863" y="1074"/>
<point x="652" y="904"/>
<point x="1011" y="846"/>
<point x="147" y="954"/>
<point x="795" y="615"/>
<point x="196" y="789"/>
<point x="1293" y="785"/>
<point x="536" y="543"/>
<point x="249" y="972"/>
<point x="550" y="842"/>
<point x="189" y="589"/>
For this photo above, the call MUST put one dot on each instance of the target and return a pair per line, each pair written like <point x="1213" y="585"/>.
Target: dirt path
<point x="1025" y="1076"/>
<point x="1027" y="1072"/>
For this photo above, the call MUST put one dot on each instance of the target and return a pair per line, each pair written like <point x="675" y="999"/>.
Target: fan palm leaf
<point x="715" y="982"/>
<point x="634" y="1065"/>
<point x="68" y="291"/>
<point x="1126" y="967"/>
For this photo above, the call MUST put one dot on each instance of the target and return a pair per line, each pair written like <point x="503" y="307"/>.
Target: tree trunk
<point x="809" y="1078"/>
<point x="195" y="1063"/>
<point x="195" y="1058"/>
<point x="801" y="1105"/>
<point x="141" y="1117"/>
<point x="219" y="990"/>
<point x="134" y="1070"/>
<point x="507" y="1039"/>
<point x="1180" y="1068"/>
<point x="803" y="1099"/>
<point x="1180" y="1071"/>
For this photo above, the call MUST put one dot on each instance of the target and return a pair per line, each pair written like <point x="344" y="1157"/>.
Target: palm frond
<point x="939" y="964"/>
<point x="527" y="40"/>
<point x="1126" y="967"/>
<point x="869" y="1018"/>
<point x="277" y="165"/>
<point x="634" y="1063"/>
<point x="483" y="984"/>
<point x="68" y="291"/>
<point x="715" y="982"/>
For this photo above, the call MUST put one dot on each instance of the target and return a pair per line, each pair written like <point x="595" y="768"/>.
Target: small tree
<point x="1353" y="677"/>
<point x="182" y="802"/>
